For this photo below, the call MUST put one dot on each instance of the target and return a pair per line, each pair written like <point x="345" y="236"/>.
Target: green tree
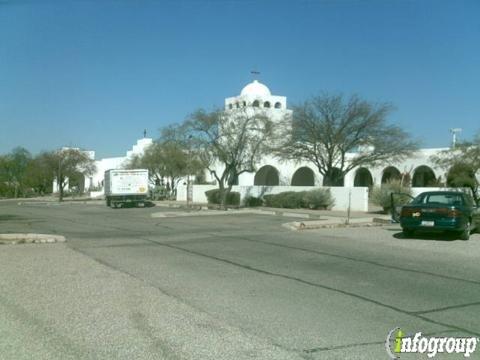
<point x="462" y="163"/>
<point x="229" y="143"/>
<point x="169" y="159"/>
<point x="338" y="135"/>
<point x="38" y="175"/>
<point x="67" y="163"/>
<point x="13" y="167"/>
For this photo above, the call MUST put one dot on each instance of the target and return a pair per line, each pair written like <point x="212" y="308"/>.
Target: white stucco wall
<point x="102" y="165"/>
<point x="357" y="196"/>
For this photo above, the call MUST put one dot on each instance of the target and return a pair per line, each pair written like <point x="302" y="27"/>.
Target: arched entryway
<point x="391" y="173"/>
<point x="423" y="176"/>
<point x="304" y="176"/>
<point x="363" y="177"/>
<point x="266" y="175"/>
<point x="334" y="177"/>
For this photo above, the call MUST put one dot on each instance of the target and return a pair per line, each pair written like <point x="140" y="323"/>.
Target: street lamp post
<point x="189" y="185"/>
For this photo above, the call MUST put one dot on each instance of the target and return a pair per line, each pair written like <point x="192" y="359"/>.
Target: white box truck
<point x="126" y="187"/>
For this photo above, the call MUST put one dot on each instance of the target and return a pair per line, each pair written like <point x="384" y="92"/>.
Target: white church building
<point x="279" y="176"/>
<point x="272" y="172"/>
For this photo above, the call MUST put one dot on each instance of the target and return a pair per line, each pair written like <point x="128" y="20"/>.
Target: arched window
<point x="333" y="177"/>
<point x="303" y="177"/>
<point x="230" y="106"/>
<point x="391" y="173"/>
<point x="363" y="177"/>
<point x="266" y="175"/>
<point x="266" y="104"/>
<point x="423" y="176"/>
<point x="278" y="105"/>
<point x="244" y="103"/>
<point x="256" y="103"/>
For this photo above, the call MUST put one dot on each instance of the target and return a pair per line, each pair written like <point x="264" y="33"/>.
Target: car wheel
<point x="408" y="233"/>
<point x="465" y="234"/>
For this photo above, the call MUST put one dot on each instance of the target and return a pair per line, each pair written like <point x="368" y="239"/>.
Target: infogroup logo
<point x="398" y="342"/>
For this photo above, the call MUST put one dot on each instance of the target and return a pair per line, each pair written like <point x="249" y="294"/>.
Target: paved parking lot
<point x="127" y="285"/>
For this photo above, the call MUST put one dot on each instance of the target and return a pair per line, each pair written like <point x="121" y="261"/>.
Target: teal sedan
<point x="441" y="211"/>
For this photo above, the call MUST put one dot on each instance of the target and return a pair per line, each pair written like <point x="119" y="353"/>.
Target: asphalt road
<point x="129" y="286"/>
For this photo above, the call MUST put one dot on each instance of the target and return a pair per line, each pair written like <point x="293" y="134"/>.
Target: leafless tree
<point x="229" y="142"/>
<point x="338" y="135"/>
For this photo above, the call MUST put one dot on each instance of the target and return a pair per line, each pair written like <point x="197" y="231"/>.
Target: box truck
<point x="126" y="187"/>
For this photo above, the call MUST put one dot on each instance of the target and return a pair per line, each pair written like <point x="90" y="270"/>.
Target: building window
<point x="230" y="106"/>
<point x="266" y="104"/>
<point x="278" y="105"/>
<point x="237" y="105"/>
<point x="256" y="103"/>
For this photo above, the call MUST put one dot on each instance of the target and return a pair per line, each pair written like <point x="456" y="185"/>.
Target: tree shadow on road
<point x="7" y="217"/>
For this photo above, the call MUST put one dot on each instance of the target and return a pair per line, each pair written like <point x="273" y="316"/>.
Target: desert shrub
<point x="314" y="199"/>
<point x="213" y="197"/>
<point x="292" y="199"/>
<point x="252" y="201"/>
<point x="318" y="199"/>
<point x="270" y="200"/>
<point x="380" y="195"/>
<point x="287" y="199"/>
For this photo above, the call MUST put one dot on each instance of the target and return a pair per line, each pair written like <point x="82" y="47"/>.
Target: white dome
<point x="255" y="89"/>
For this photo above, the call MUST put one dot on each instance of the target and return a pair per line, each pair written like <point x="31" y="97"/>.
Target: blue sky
<point x="94" y="74"/>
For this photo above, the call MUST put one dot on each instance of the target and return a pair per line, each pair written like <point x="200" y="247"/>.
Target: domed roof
<point x="255" y="89"/>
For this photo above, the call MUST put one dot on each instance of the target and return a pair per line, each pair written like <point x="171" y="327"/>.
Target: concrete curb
<point x="198" y="211"/>
<point x="66" y="202"/>
<point x="315" y="222"/>
<point x="30" y="238"/>
<point x="335" y="223"/>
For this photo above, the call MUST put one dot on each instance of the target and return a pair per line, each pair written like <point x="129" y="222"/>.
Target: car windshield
<point x="440" y="199"/>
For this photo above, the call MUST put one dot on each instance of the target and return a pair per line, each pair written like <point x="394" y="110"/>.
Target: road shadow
<point x="146" y="204"/>
<point x="7" y="217"/>
<point x="431" y="236"/>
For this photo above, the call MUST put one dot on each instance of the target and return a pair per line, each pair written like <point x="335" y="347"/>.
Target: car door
<point x="397" y="201"/>
<point x="476" y="216"/>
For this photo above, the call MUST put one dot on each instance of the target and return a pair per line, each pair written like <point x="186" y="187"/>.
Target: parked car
<point x="440" y="211"/>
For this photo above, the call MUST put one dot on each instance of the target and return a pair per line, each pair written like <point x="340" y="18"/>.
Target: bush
<point x="270" y="200"/>
<point x="252" y="201"/>
<point x="287" y="199"/>
<point x="213" y="197"/>
<point x="319" y="199"/>
<point x="381" y="195"/>
<point x="292" y="199"/>
<point x="314" y="199"/>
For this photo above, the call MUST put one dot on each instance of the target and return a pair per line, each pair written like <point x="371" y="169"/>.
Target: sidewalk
<point x="314" y="219"/>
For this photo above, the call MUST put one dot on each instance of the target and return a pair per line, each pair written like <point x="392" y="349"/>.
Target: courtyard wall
<point x="358" y="196"/>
